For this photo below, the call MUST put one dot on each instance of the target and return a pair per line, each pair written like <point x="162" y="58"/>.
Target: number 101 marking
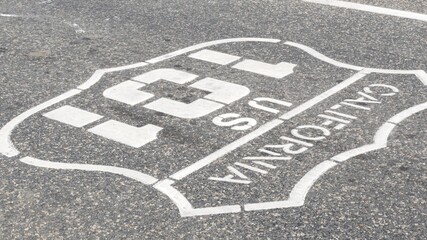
<point x="221" y="94"/>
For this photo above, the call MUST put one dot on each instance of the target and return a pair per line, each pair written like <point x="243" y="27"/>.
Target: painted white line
<point x="278" y="71"/>
<point x="382" y="135"/>
<point x="73" y="116"/>
<point x="208" y="44"/>
<point x="421" y="74"/>
<point x="214" y="57"/>
<point x="184" y="206"/>
<point x="396" y="119"/>
<point x="223" y="151"/>
<point x="138" y="176"/>
<point x="6" y="146"/>
<point x="255" y="169"/>
<point x="97" y="75"/>
<point x="299" y="191"/>
<point x="127" y="134"/>
<point x="9" y="15"/>
<point x="310" y="103"/>
<point x="268" y="158"/>
<point x="267" y="165"/>
<point x="236" y="172"/>
<point x="372" y="9"/>
<point x="45" y="2"/>
<point x="322" y="57"/>
<point x="341" y="114"/>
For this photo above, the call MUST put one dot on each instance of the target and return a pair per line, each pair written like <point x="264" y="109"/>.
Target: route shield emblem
<point x="225" y="126"/>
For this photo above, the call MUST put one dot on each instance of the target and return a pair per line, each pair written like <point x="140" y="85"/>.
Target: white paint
<point x="310" y="103"/>
<point x="208" y="44"/>
<point x="382" y="135"/>
<point x="341" y="114"/>
<point x="229" y="179"/>
<point x="393" y="89"/>
<point x="278" y="71"/>
<point x="77" y="28"/>
<point x="249" y="167"/>
<point x="361" y="100"/>
<point x="214" y="57"/>
<point x="268" y="152"/>
<point x="268" y="158"/>
<point x="45" y="2"/>
<point x="322" y="57"/>
<point x="237" y="172"/>
<point x="221" y="91"/>
<point x="297" y="141"/>
<point x="297" y="134"/>
<point x="72" y="116"/>
<point x="396" y="119"/>
<point x="422" y="75"/>
<point x="6" y="146"/>
<point x="184" y="206"/>
<point x="371" y="9"/>
<point x="132" y="174"/>
<point x="356" y="106"/>
<point x="128" y="92"/>
<point x="129" y="135"/>
<point x="364" y="95"/>
<point x="299" y="191"/>
<point x="167" y="74"/>
<point x="98" y="74"/>
<point x="237" y="123"/>
<point x="255" y="103"/>
<point x="195" y="109"/>
<point x="9" y="15"/>
<point x="340" y="126"/>
<point x="223" y="151"/>
<point x="8" y="128"/>
<point x="267" y="165"/>
<point x="335" y="119"/>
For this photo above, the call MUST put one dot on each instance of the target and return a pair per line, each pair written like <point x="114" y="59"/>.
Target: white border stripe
<point x="138" y="176"/>
<point x="208" y="44"/>
<point x="299" y="192"/>
<point x="310" y="103"/>
<point x="6" y="146"/>
<point x="371" y="9"/>
<point x="322" y="57"/>
<point x="97" y="75"/>
<point x="223" y="151"/>
<point x="396" y="119"/>
<point x="185" y="207"/>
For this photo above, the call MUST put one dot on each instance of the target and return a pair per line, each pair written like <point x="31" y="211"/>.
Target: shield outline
<point x="299" y="191"/>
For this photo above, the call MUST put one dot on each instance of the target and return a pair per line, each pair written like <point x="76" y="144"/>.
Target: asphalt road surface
<point x="260" y="119"/>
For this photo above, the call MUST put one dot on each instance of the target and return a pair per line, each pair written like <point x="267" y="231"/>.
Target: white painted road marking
<point x="138" y="176"/>
<point x="279" y="70"/>
<point x="6" y="146"/>
<point x="372" y="9"/>
<point x="128" y="92"/>
<point x="123" y="133"/>
<point x="310" y="103"/>
<point x="73" y="116"/>
<point x="214" y="57"/>
<point x="8" y="15"/>
<point x="165" y="186"/>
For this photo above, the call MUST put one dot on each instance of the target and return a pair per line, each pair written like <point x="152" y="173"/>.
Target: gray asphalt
<point x="50" y="47"/>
